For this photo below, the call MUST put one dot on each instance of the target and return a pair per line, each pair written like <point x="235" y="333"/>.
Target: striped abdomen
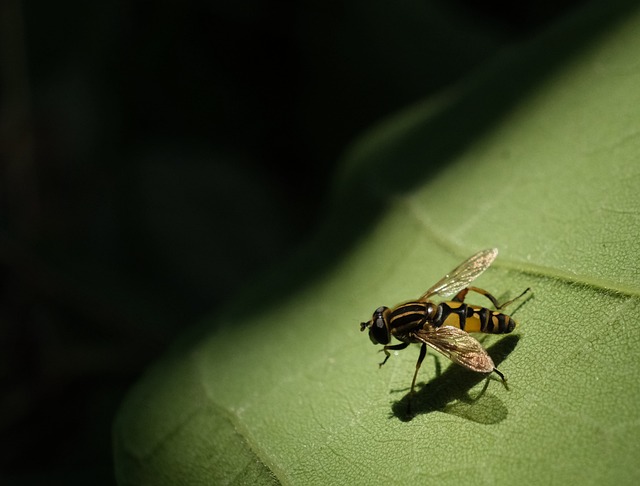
<point x="472" y="318"/>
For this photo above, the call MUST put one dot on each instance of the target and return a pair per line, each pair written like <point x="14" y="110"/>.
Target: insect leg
<point x="423" y="352"/>
<point x="502" y="377"/>
<point x="463" y="293"/>
<point x="395" y="347"/>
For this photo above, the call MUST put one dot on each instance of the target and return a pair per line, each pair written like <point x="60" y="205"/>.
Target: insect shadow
<point x="449" y="392"/>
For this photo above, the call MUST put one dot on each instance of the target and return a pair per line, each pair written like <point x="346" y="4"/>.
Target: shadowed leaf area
<point x="449" y="392"/>
<point x="537" y="155"/>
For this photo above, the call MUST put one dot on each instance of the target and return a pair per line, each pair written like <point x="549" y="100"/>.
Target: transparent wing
<point x="461" y="276"/>
<point x="458" y="346"/>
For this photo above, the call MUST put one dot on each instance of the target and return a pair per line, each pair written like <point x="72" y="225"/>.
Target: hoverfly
<point x="444" y="326"/>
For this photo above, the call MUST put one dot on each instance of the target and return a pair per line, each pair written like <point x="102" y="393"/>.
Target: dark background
<point x="158" y="155"/>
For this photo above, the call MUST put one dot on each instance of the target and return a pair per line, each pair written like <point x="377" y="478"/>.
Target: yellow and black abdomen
<point x="473" y="318"/>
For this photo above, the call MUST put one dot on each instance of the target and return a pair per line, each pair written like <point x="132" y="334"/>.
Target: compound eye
<point x="379" y="332"/>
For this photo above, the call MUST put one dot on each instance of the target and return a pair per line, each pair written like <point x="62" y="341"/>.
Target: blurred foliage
<point x="156" y="156"/>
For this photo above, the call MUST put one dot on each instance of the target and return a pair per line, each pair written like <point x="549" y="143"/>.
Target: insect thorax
<point x="411" y="315"/>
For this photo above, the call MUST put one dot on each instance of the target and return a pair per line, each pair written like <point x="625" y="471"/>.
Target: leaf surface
<point x="538" y="156"/>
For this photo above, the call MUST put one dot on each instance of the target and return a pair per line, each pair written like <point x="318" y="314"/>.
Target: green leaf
<point x="539" y="156"/>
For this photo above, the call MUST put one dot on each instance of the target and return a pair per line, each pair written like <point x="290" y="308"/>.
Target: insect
<point x="444" y="326"/>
